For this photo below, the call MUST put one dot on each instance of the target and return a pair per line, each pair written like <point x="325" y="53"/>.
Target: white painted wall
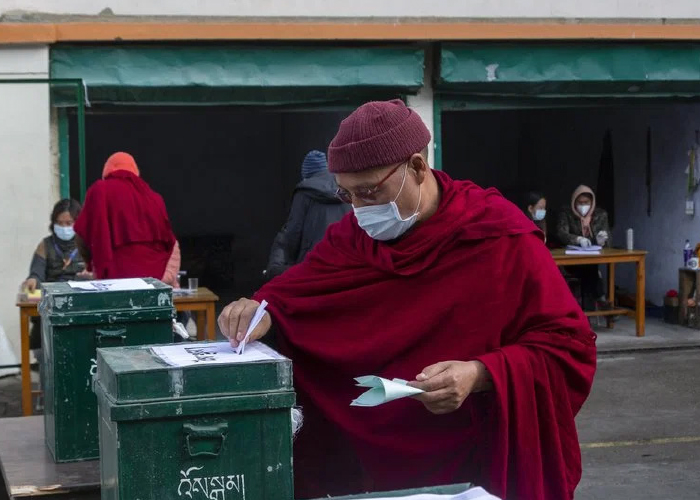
<point x="632" y="9"/>
<point x="27" y="189"/>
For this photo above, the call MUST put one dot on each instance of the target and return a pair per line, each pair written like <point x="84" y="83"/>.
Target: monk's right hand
<point x="30" y="285"/>
<point x="236" y="317"/>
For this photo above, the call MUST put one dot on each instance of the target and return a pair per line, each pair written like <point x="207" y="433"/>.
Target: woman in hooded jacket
<point x="584" y="224"/>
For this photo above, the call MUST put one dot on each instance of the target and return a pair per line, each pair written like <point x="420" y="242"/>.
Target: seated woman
<point x="56" y="259"/>
<point x="583" y="224"/>
<point x="124" y="230"/>
<point x="535" y="207"/>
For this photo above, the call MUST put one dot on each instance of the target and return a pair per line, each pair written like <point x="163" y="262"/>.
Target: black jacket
<point x="569" y="226"/>
<point x="314" y="208"/>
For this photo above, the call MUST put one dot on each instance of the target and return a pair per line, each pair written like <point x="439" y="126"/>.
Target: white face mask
<point x="384" y="222"/>
<point x="65" y="233"/>
<point x="583" y="209"/>
<point x="540" y="214"/>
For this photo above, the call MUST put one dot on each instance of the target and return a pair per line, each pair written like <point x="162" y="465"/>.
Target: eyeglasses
<point x="368" y="194"/>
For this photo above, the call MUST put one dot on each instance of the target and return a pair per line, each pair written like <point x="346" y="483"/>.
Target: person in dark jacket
<point x="584" y="224"/>
<point x="314" y="208"/>
<point x="56" y="259"/>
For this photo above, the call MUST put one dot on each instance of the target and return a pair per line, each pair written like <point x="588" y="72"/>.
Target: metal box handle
<point x="212" y="438"/>
<point x="111" y="336"/>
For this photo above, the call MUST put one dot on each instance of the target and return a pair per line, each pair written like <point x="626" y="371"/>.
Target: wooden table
<point x="611" y="257"/>
<point x="27" y="309"/>
<point x="28" y="471"/>
<point x="203" y="301"/>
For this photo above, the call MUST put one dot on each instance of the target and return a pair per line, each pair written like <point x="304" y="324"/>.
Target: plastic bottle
<point x="687" y="253"/>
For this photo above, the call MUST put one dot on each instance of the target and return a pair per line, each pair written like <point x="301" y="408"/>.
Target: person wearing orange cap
<point x="445" y="285"/>
<point x="123" y="230"/>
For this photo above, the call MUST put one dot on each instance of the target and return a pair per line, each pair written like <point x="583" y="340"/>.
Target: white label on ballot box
<point x="111" y="285"/>
<point x="212" y="353"/>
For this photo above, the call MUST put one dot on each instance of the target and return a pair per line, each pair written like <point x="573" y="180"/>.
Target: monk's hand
<point x="236" y="317"/>
<point x="448" y="383"/>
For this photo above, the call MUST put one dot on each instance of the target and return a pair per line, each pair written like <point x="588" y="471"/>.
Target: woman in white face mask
<point x="584" y="224"/>
<point x="56" y="259"/>
<point x="536" y="209"/>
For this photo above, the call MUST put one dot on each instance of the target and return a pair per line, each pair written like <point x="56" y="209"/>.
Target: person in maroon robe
<point x="123" y="230"/>
<point x="444" y="284"/>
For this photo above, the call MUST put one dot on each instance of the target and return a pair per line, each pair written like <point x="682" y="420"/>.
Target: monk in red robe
<point x="124" y="230"/>
<point x="444" y="284"/>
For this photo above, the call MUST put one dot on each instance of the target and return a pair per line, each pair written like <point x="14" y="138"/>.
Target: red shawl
<point x="126" y="228"/>
<point x="472" y="282"/>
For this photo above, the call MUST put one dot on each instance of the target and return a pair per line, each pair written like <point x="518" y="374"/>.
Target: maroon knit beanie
<point x="376" y="134"/>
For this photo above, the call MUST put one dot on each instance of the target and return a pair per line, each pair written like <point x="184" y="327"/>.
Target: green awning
<point x="570" y="70"/>
<point x="239" y="74"/>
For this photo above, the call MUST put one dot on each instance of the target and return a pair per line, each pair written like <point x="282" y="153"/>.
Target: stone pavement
<point x="659" y="335"/>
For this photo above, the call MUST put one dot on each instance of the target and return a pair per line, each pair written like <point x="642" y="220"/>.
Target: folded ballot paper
<point x="470" y="494"/>
<point x="382" y="390"/>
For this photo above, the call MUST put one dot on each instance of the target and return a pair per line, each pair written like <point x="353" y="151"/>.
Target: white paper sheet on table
<point x="382" y="390"/>
<point x="582" y="252"/>
<point x="470" y="494"/>
<point x="111" y="285"/>
<point x="212" y="353"/>
<point x="578" y="248"/>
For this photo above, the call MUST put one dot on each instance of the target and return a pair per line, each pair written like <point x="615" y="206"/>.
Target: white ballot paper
<point x="591" y="248"/>
<point x="111" y="285"/>
<point x="212" y="353"/>
<point x="257" y="318"/>
<point x="470" y="494"/>
<point x="382" y="391"/>
<point x="577" y="250"/>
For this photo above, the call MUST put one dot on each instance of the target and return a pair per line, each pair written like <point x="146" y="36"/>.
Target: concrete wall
<point x="28" y="187"/>
<point x="632" y="9"/>
<point x="566" y="146"/>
